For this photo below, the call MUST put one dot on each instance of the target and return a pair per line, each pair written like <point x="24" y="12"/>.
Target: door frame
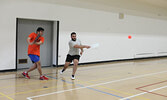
<point x="57" y="39"/>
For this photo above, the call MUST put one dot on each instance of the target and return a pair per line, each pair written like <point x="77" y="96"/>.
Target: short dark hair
<point x="73" y="33"/>
<point x="40" y="29"/>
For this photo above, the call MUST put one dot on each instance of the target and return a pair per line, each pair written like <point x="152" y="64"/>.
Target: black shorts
<point x="70" y="58"/>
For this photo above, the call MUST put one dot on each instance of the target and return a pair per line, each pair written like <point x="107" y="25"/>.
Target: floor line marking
<point x="117" y="91"/>
<point x="140" y="76"/>
<point x="88" y="88"/>
<point x="140" y="88"/>
<point x="143" y="93"/>
<point x="6" y="96"/>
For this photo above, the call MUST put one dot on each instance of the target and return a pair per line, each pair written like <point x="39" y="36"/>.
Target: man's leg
<point x="34" y="58"/>
<point x="42" y="77"/>
<point x="74" y="68"/>
<point x="67" y="63"/>
<point x="32" y="68"/>
<point x="25" y="74"/>
<point x="39" y="67"/>
<point x="65" y="66"/>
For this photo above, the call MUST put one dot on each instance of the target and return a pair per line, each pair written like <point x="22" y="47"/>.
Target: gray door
<point x="25" y="27"/>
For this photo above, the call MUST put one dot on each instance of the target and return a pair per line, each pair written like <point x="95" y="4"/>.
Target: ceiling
<point x="147" y="8"/>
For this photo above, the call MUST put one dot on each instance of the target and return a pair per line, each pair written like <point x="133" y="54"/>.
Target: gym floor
<point x="124" y="80"/>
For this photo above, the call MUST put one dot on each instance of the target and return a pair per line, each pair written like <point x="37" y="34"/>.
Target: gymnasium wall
<point x="148" y="35"/>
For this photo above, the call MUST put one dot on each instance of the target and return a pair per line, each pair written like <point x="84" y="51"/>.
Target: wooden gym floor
<point x="126" y="80"/>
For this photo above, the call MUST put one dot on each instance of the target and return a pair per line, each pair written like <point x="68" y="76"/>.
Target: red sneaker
<point x="26" y="75"/>
<point x="43" y="78"/>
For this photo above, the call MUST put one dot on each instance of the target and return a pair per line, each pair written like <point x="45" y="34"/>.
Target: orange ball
<point x="129" y="36"/>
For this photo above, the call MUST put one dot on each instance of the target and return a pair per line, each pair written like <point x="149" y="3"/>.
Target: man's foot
<point x="61" y="72"/>
<point x="26" y="75"/>
<point x="73" y="77"/>
<point x="43" y="78"/>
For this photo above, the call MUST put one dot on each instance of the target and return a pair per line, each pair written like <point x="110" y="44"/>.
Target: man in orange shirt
<point x="35" y="40"/>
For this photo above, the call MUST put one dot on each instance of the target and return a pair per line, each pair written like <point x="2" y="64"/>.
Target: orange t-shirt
<point x="34" y="49"/>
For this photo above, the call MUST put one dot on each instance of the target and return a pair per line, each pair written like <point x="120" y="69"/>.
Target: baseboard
<point x="8" y="70"/>
<point x="96" y="62"/>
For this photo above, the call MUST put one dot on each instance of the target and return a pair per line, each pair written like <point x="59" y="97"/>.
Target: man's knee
<point x="38" y="63"/>
<point x="67" y="64"/>
<point x="76" y="62"/>
<point x="35" y="65"/>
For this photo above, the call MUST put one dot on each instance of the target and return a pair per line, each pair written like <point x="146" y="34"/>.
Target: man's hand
<point x="81" y="52"/>
<point x="87" y="47"/>
<point x="31" y="43"/>
<point x="38" y="43"/>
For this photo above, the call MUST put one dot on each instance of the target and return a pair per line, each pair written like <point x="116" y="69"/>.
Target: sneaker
<point x="43" y="78"/>
<point x="26" y="75"/>
<point x="61" y="72"/>
<point x="73" y="77"/>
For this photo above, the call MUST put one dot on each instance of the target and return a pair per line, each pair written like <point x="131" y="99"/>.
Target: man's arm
<point x="28" y="41"/>
<point x="81" y="46"/>
<point x="38" y="43"/>
<point x="81" y="51"/>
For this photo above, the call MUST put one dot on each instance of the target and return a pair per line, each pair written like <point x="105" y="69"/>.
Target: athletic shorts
<point x="70" y="58"/>
<point x="34" y="58"/>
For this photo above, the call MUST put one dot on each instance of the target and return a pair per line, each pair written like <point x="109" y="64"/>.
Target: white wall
<point x="148" y="35"/>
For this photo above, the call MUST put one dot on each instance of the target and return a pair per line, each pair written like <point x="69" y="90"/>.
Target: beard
<point x="73" y="39"/>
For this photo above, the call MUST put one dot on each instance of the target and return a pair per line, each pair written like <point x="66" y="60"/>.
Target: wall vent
<point x="22" y="61"/>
